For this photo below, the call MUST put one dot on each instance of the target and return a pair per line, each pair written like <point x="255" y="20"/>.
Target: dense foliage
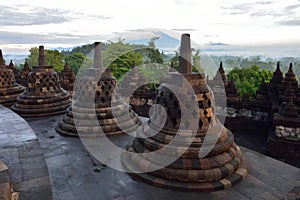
<point x="52" y="57"/>
<point x="247" y="79"/>
<point x="75" y="61"/>
<point x="119" y="56"/>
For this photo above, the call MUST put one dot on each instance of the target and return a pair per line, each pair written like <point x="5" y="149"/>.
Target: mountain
<point x="17" y="59"/>
<point x="217" y="44"/>
<point x="165" y="42"/>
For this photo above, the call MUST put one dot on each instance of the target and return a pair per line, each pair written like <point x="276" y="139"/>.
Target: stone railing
<point x="287" y="133"/>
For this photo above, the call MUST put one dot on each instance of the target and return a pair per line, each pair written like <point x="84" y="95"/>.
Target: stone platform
<point x="21" y="152"/>
<point x="74" y="175"/>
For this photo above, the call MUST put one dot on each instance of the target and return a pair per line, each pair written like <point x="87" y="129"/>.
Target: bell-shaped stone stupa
<point x="22" y="79"/>
<point x="43" y="95"/>
<point x="114" y="116"/>
<point x="9" y="89"/>
<point x="67" y="78"/>
<point x="193" y="169"/>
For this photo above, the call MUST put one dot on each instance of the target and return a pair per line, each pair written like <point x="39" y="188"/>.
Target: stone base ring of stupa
<point x="109" y="124"/>
<point x="191" y="180"/>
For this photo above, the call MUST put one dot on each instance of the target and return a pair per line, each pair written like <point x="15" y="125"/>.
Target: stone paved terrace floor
<point x="22" y="153"/>
<point x="75" y="176"/>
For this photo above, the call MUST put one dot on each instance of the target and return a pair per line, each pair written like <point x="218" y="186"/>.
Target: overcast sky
<point x="269" y="24"/>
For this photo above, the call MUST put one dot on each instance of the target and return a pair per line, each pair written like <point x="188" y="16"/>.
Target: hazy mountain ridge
<point x="217" y="51"/>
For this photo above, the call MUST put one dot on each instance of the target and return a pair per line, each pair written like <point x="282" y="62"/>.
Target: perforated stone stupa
<point x="114" y="116"/>
<point x="22" y="79"/>
<point x="134" y="87"/>
<point x="221" y="168"/>
<point x="43" y="95"/>
<point x="9" y="89"/>
<point x="12" y="67"/>
<point x="67" y="78"/>
<point x="134" y="90"/>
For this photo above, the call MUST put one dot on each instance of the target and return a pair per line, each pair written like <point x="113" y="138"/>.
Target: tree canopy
<point x="52" y="57"/>
<point x="248" y="79"/>
<point x="120" y="57"/>
<point x="75" y="61"/>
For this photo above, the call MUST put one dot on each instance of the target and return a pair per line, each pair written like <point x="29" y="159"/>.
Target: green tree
<point x="151" y="43"/>
<point x="120" y="56"/>
<point x="52" y="57"/>
<point x="33" y="56"/>
<point x="55" y="58"/>
<point x="154" y="56"/>
<point x="150" y="53"/>
<point x="75" y="61"/>
<point x="248" y="79"/>
<point x="196" y="61"/>
<point x="175" y="60"/>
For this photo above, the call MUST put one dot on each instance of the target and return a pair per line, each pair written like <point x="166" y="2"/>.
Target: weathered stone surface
<point x="275" y="87"/>
<point x="5" y="185"/>
<point x="261" y="103"/>
<point x="67" y="78"/>
<point x="11" y="66"/>
<point x="73" y="172"/>
<point x="294" y="194"/>
<point x="284" y="138"/>
<point x="134" y="90"/>
<point x="290" y="79"/>
<point x="223" y="88"/>
<point x="9" y="89"/>
<point x="23" y="155"/>
<point x="43" y="95"/>
<point x="95" y="107"/>
<point x="23" y="77"/>
<point x="220" y="169"/>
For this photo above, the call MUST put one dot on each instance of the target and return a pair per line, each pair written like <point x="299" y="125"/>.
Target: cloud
<point x="217" y="44"/>
<point x="292" y="22"/>
<point x="185" y="2"/>
<point x="184" y="29"/>
<point x="22" y="15"/>
<point x="264" y="2"/>
<point x="11" y="16"/>
<point x="292" y="7"/>
<point x="239" y="8"/>
<point x="263" y="13"/>
<point x="208" y="35"/>
<point x="245" y="8"/>
<point x="49" y="38"/>
<point x="238" y="13"/>
<point x="283" y="15"/>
